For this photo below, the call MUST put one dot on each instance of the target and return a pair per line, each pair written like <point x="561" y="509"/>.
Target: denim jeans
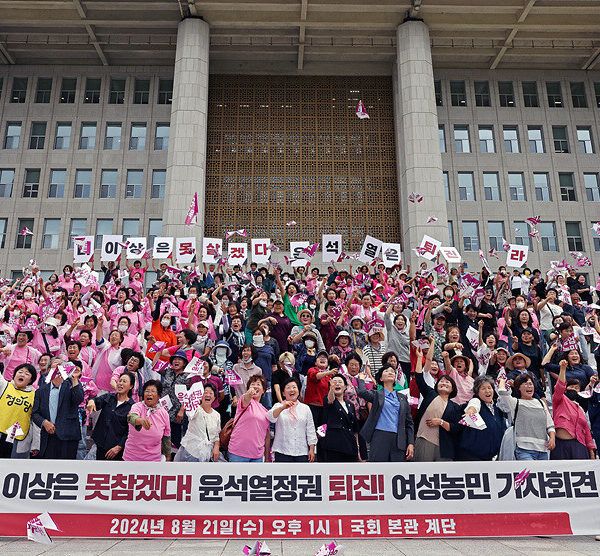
<point x="239" y="459"/>
<point x="521" y="454"/>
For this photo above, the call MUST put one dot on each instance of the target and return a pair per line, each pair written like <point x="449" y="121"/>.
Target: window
<point x="77" y="227"/>
<point x="18" y="94"/>
<point x="68" y="89"/>
<point x="595" y="237"/>
<point x="104" y="226"/>
<point x="137" y="141"/>
<point x="63" y="135"/>
<point x="161" y="139"/>
<point x="574" y="239"/>
<point x="43" y="90"/>
<point x="470" y="232"/>
<point x="536" y="139"/>
<point x="112" y="141"/>
<point x="31" y="187"/>
<point x="92" y="90"/>
<point x="553" y="90"/>
<point x="131" y="227"/>
<point x="506" y="92"/>
<point x="461" y="139"/>
<point x="561" y="142"/>
<point x="530" y="94"/>
<point x="154" y="230"/>
<point x="486" y="139"/>
<point x="50" y="238"/>
<point x="7" y="179"/>
<point x="584" y="140"/>
<point x="116" y="94"/>
<point x="567" y="187"/>
<point x="37" y="138"/>
<point x="542" y="187"/>
<point x="592" y="187"/>
<point x="83" y="184"/>
<point x="496" y="234"/>
<point x="450" y="233"/>
<point x="491" y="186"/>
<point x="578" y="97"/>
<point x="58" y="178"/>
<point x="466" y="187"/>
<point x="133" y="189"/>
<point x="13" y="135"/>
<point x="522" y="234"/>
<point x="108" y="184"/>
<point x="446" y="185"/>
<point x="548" y="235"/>
<point x="597" y="93"/>
<point x="458" y="93"/>
<point x="87" y="139"/>
<point x="159" y="178"/>
<point x="510" y="135"/>
<point x="482" y="93"/>
<point x="442" y="138"/>
<point x="516" y="186"/>
<point x="439" y="99"/>
<point x="3" y="227"/>
<point x="24" y="242"/>
<point x="165" y="91"/>
<point x="141" y="91"/>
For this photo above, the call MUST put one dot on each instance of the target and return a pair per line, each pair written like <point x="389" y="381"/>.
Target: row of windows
<point x="507" y="97"/>
<point x="135" y="185"/>
<point x="91" y="89"/>
<point x="548" y="240"/>
<point x="130" y="227"/>
<point x="88" y="132"/>
<point x="517" y="190"/>
<point x="511" y="140"/>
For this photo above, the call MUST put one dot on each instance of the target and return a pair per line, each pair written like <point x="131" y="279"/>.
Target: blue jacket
<point x="483" y="445"/>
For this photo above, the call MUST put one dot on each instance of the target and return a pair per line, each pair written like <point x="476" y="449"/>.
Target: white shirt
<point x="196" y="441"/>
<point x="547" y="313"/>
<point x="293" y="436"/>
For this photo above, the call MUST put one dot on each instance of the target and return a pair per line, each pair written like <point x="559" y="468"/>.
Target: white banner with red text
<point x="229" y="500"/>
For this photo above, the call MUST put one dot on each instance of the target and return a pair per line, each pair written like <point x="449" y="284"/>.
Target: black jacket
<point x="111" y="428"/>
<point x="341" y="427"/>
<point x="483" y="445"/>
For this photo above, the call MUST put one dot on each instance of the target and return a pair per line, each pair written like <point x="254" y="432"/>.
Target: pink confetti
<point x="431" y="219"/>
<point x="291" y="223"/>
<point x="534" y="220"/>
<point x="361" y="111"/>
<point x="415" y="197"/>
<point x="26" y="232"/>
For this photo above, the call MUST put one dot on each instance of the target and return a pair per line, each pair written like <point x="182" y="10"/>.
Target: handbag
<point x="225" y="434"/>
<point x="509" y="440"/>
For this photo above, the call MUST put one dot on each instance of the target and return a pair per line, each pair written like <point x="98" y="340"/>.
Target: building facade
<point x="91" y="150"/>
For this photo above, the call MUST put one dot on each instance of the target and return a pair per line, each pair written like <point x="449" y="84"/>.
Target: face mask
<point x="123" y="328"/>
<point x="165" y="322"/>
<point x="226" y="302"/>
<point x="309" y="344"/>
<point x="17" y="313"/>
<point x="177" y="293"/>
<point x="258" y="341"/>
<point x="520" y="305"/>
<point x="312" y="307"/>
<point x="262" y="303"/>
<point x="193" y="296"/>
<point x="572" y="395"/>
<point x="67" y="273"/>
<point x="27" y="295"/>
<point x="289" y="367"/>
<point x="128" y="306"/>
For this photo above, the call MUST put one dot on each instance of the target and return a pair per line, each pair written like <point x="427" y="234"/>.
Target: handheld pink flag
<point x="311" y="250"/>
<point x="25" y="232"/>
<point x="493" y="253"/>
<point x="505" y="245"/>
<point x="534" y="220"/>
<point x="192" y="214"/>
<point x="361" y="111"/>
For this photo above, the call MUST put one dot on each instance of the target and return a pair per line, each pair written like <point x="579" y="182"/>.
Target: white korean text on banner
<point x="391" y="253"/>
<point x="428" y="249"/>
<point x="162" y="248"/>
<point x="331" y="245"/>
<point x="83" y="249"/>
<point x="136" y="247"/>
<point x="516" y="256"/>
<point x="261" y="250"/>
<point x="111" y="247"/>
<point x="215" y="500"/>
<point x="212" y="249"/>
<point x="370" y="249"/>
<point x="237" y="253"/>
<point x="185" y="249"/>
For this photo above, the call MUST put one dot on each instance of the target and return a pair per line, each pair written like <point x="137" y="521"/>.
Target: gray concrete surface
<point x="532" y="546"/>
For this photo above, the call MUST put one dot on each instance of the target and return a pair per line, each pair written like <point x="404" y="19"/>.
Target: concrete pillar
<point x="186" y="160"/>
<point x="418" y="155"/>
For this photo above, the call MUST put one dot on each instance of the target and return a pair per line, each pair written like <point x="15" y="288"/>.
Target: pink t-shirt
<point x="248" y="436"/>
<point x="144" y="445"/>
<point x="18" y="356"/>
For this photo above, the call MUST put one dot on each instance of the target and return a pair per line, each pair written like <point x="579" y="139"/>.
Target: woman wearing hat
<point x="46" y="338"/>
<point x="286" y="370"/>
<point x="342" y="345"/>
<point x="517" y="365"/>
<point x="375" y="349"/>
<point x="19" y="353"/>
<point x="306" y="325"/>
<point x="460" y="368"/>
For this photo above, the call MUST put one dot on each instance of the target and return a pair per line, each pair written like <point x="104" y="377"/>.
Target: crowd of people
<point x="248" y="364"/>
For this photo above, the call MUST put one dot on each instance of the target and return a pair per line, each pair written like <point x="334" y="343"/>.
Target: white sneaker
<point x="598" y="537"/>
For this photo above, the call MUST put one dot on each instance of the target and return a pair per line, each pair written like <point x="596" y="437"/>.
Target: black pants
<point x="101" y="454"/>
<point x="60" y="449"/>
<point x="284" y="458"/>
<point x="333" y="456"/>
<point x="5" y="447"/>
<point x="384" y="447"/>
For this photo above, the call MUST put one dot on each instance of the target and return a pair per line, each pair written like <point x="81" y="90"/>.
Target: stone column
<point x="186" y="160"/>
<point x="418" y="155"/>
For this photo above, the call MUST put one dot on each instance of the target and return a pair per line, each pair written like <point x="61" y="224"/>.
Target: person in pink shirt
<point x="108" y="358"/>
<point x="130" y="339"/>
<point x="48" y="340"/>
<point x="17" y="354"/>
<point x="460" y="369"/>
<point x="251" y="438"/>
<point x="65" y="280"/>
<point x="28" y="304"/>
<point x="74" y="354"/>
<point x="149" y="427"/>
<point x="135" y="365"/>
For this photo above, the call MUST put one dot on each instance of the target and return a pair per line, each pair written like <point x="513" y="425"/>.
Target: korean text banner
<point x="228" y="500"/>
